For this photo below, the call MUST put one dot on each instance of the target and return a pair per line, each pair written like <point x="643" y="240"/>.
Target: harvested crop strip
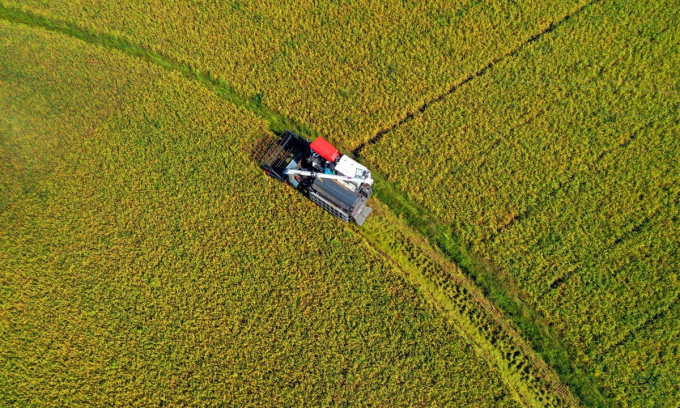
<point x="456" y="296"/>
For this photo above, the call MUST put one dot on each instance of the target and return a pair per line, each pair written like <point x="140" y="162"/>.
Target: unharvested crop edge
<point x="502" y="294"/>
<point x="378" y="136"/>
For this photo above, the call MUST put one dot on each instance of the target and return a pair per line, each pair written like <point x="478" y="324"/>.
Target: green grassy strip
<point x="497" y="288"/>
<point x="277" y="123"/>
<point x="443" y="284"/>
<point x="500" y="292"/>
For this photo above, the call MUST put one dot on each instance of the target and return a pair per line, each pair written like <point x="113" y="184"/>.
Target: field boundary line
<point x="378" y="136"/>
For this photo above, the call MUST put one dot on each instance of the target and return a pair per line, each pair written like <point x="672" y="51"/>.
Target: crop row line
<point x="657" y="213"/>
<point x="568" y="181"/>
<point x="590" y="167"/>
<point x="562" y="279"/>
<point x="471" y="77"/>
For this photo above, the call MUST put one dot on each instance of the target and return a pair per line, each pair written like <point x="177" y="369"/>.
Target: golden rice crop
<point x="559" y="166"/>
<point x="146" y="260"/>
<point x="347" y="69"/>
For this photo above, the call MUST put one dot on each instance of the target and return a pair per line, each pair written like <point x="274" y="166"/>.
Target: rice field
<point x="559" y="167"/>
<point x="523" y="250"/>
<point x="146" y="260"/>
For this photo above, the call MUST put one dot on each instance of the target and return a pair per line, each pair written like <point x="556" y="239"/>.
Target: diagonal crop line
<point x="481" y="72"/>
<point x="647" y="322"/>
<point x="568" y="181"/>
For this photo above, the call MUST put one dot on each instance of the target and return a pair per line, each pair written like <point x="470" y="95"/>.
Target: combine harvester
<point x="333" y="180"/>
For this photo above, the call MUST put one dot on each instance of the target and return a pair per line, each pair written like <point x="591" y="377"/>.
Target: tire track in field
<point x="568" y="181"/>
<point x="627" y="333"/>
<point x="481" y="72"/>
<point x="457" y="297"/>
<point x="590" y="167"/>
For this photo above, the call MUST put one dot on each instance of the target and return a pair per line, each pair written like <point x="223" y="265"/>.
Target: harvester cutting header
<point x="334" y="181"/>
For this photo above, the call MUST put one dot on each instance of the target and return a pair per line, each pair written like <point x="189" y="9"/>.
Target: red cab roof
<point x="325" y="149"/>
